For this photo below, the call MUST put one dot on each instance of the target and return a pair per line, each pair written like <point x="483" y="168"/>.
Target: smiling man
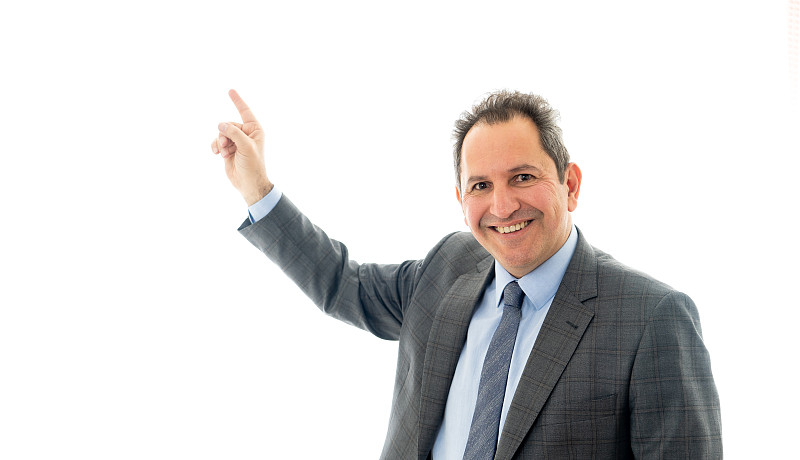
<point x="518" y="340"/>
<point x="515" y="201"/>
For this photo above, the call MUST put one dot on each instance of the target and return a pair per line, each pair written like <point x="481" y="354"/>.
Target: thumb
<point x="233" y="133"/>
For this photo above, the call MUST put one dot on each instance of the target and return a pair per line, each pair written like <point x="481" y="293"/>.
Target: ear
<point x="574" y="177"/>
<point x="458" y="197"/>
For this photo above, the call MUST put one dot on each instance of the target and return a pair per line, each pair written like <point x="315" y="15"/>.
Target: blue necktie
<point x="483" y="432"/>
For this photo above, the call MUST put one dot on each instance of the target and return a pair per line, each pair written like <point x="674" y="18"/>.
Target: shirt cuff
<point x="261" y="208"/>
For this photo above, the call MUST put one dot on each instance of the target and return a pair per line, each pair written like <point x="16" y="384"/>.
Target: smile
<point x="513" y="228"/>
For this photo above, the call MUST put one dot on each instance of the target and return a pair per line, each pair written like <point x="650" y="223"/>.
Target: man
<point x="519" y="339"/>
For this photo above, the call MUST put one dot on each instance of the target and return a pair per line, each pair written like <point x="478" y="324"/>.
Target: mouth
<point x="512" y="228"/>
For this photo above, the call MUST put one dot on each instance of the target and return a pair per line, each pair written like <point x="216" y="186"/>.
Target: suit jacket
<point x="618" y="370"/>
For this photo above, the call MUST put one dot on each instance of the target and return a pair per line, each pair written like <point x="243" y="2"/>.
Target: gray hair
<point x="502" y="106"/>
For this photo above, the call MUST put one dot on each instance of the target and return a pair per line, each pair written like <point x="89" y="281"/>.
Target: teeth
<point x="512" y="228"/>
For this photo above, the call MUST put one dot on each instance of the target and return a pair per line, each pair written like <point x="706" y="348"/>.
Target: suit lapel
<point x="563" y="327"/>
<point x="445" y="342"/>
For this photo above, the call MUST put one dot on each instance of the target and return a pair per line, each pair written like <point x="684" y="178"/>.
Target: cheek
<point x="551" y="198"/>
<point x="465" y="211"/>
<point x="472" y="213"/>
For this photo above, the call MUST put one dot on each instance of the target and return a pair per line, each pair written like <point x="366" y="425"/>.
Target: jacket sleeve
<point x="369" y="296"/>
<point x="674" y="406"/>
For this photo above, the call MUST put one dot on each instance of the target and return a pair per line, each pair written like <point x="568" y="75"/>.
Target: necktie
<point x="482" y="440"/>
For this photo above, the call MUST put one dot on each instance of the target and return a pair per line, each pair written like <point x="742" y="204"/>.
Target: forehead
<point x="503" y="145"/>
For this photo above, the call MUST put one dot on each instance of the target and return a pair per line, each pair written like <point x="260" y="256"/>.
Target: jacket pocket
<point x="592" y="409"/>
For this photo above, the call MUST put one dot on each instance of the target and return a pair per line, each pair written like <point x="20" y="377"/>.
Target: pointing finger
<point x="244" y="110"/>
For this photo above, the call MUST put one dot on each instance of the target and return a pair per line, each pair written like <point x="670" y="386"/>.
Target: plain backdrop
<point x="136" y="323"/>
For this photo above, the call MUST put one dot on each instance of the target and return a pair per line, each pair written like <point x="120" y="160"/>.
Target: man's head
<point x="500" y="107"/>
<point x="515" y="197"/>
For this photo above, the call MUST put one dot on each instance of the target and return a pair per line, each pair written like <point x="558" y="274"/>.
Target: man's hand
<point x="242" y="147"/>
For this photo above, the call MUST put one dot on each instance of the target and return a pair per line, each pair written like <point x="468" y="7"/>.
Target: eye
<point x="480" y="186"/>
<point x="524" y="178"/>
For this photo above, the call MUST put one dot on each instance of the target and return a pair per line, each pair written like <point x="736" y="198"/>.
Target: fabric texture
<point x="483" y="432"/>
<point x="539" y="286"/>
<point x="619" y="369"/>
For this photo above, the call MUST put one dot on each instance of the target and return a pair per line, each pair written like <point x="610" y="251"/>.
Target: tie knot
<point x="513" y="295"/>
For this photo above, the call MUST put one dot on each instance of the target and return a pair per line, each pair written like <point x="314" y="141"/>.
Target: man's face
<point x="512" y="199"/>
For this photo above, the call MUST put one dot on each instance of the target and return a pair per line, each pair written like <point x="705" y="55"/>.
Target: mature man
<point x="519" y="339"/>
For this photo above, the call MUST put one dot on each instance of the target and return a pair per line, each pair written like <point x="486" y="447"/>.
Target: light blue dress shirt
<point x="539" y="286"/>
<point x="261" y="208"/>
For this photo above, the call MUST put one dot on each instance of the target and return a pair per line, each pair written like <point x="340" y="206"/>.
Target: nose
<point x="504" y="202"/>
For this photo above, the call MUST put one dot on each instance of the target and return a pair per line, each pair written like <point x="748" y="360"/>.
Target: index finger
<point x="244" y="110"/>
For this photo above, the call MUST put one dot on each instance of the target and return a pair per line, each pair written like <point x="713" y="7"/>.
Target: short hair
<point x="502" y="106"/>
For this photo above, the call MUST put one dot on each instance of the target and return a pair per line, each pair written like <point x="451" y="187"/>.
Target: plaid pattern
<point x="619" y="369"/>
<point x="483" y="431"/>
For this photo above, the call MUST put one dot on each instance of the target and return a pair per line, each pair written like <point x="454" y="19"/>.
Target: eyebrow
<point x="516" y="169"/>
<point x="525" y="167"/>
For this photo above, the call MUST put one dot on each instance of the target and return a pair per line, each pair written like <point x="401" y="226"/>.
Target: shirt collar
<point x="541" y="284"/>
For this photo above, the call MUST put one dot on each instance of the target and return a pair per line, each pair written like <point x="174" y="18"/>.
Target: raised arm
<point x="242" y="147"/>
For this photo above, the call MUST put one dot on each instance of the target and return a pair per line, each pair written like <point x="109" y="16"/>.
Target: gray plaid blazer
<point x="619" y="369"/>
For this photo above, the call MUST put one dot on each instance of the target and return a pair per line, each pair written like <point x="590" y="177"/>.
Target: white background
<point x="136" y="323"/>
